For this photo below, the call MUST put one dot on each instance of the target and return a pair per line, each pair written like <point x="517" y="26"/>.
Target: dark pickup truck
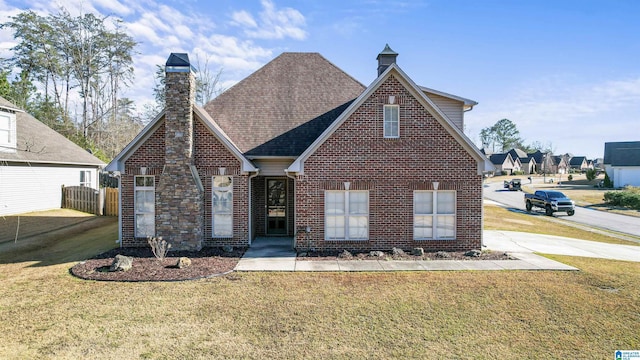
<point x="549" y="200"/>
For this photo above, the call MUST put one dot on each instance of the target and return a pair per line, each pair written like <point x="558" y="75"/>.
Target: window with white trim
<point x="434" y="215"/>
<point x="346" y="215"/>
<point x="145" y="206"/>
<point x="7" y="132"/>
<point x="391" y="121"/>
<point x="85" y="178"/>
<point x="222" y="207"/>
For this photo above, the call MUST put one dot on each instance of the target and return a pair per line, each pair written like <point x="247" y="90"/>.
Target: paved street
<point x="616" y="222"/>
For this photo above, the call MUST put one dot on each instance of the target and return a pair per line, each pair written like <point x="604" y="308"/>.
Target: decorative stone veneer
<point x="390" y="169"/>
<point x="179" y="193"/>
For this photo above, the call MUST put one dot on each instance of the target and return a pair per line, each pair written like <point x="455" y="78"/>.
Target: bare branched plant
<point x="159" y="247"/>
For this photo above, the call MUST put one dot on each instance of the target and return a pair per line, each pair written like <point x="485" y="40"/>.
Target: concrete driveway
<point x="512" y="241"/>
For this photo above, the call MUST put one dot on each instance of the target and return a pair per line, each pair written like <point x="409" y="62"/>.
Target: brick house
<point x="300" y="149"/>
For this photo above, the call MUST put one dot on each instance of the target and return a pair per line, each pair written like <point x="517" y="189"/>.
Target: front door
<point x="276" y="206"/>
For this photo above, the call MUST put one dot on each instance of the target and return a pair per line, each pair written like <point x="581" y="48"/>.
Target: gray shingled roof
<point x="498" y="159"/>
<point x="38" y="143"/>
<point x="577" y="160"/>
<point x="624" y="153"/>
<point x="295" y="141"/>
<point x="284" y="106"/>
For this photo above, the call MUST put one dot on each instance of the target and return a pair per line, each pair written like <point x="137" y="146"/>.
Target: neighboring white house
<point x="622" y="162"/>
<point x="36" y="161"/>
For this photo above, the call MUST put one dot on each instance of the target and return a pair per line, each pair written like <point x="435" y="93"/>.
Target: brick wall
<point x="390" y="169"/>
<point x="209" y="156"/>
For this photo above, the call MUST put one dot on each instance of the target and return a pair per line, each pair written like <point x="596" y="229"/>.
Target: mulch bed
<point x="210" y="262"/>
<point x="207" y="262"/>
<point x="439" y="255"/>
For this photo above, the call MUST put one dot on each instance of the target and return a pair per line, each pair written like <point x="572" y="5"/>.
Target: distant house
<point x="622" y="162"/>
<point x="36" y="161"/>
<point x="528" y="163"/>
<point x="544" y="162"/>
<point x="505" y="163"/>
<point x="561" y="164"/>
<point x="300" y="149"/>
<point x="578" y="163"/>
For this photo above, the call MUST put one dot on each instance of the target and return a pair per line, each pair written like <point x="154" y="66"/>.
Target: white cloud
<point x="114" y="6"/>
<point x="274" y="23"/>
<point x="243" y="18"/>
<point x="575" y="118"/>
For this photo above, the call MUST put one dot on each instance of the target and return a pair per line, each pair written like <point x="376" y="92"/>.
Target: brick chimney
<point x="179" y="194"/>
<point x="386" y="58"/>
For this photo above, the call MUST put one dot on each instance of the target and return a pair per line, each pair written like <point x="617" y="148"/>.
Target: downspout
<point x="251" y="206"/>
<point x="295" y="190"/>
<point x="118" y="176"/>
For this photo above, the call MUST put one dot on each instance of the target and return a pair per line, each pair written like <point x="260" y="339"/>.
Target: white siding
<point x="450" y="107"/>
<point x="272" y="167"/>
<point x="627" y="175"/>
<point x="34" y="188"/>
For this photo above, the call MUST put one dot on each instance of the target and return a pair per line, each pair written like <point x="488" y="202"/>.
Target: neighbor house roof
<point x="291" y="99"/>
<point x="625" y="153"/>
<point x="38" y="143"/>
<point x="577" y="160"/>
<point x="498" y="159"/>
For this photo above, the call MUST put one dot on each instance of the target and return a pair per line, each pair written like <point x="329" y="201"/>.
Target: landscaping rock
<point x="417" y="251"/>
<point x="183" y="262"/>
<point x="473" y="253"/>
<point x="227" y="248"/>
<point x="376" y="254"/>
<point x="443" y="255"/>
<point x="345" y="255"/>
<point x="121" y="263"/>
<point x="397" y="251"/>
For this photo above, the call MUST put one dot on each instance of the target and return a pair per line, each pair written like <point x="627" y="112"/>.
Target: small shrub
<point x="570" y="177"/>
<point x="607" y="181"/>
<point x="518" y="173"/>
<point x="159" y="247"/>
<point x="629" y="198"/>
<point x="591" y="174"/>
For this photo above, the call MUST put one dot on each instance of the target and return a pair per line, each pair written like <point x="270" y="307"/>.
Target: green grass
<point x="47" y="313"/>
<point x="499" y="218"/>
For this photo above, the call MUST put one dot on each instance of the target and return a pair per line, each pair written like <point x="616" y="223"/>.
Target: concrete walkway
<point x="275" y="254"/>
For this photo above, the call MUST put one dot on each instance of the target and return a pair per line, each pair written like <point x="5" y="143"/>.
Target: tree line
<point x="504" y="136"/>
<point x="70" y="72"/>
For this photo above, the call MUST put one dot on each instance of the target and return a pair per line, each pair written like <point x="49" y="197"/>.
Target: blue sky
<point x="567" y="73"/>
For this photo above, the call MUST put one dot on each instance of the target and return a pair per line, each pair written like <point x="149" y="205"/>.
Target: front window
<point x="222" y="203"/>
<point x="145" y="206"/>
<point x="434" y="215"/>
<point x="391" y="121"/>
<point x="346" y="215"/>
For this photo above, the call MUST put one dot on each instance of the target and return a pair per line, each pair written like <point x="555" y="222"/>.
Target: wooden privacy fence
<point x="89" y="200"/>
<point x="111" y="202"/>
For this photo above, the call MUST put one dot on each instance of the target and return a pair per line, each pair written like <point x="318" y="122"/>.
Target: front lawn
<point x="47" y="313"/>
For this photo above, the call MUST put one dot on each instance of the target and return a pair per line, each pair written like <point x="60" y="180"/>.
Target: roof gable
<point x="393" y="70"/>
<point x="117" y="164"/>
<point x="292" y="90"/>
